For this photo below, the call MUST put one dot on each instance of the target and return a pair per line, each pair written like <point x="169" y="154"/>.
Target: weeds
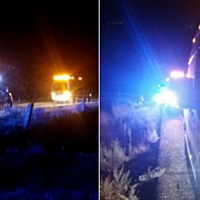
<point x="113" y="157"/>
<point x="125" y="133"/>
<point x="133" y="127"/>
<point x="118" y="188"/>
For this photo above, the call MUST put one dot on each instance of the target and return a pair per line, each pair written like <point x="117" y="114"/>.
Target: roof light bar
<point x="61" y="77"/>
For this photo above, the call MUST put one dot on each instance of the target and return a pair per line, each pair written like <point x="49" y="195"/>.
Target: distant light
<point x="61" y="97"/>
<point x="166" y="97"/>
<point x="72" y="77"/>
<point x="0" y="78"/>
<point x="193" y="40"/>
<point x="199" y="27"/>
<point x="61" y="77"/>
<point x="167" y="79"/>
<point x="159" y="85"/>
<point x="80" y="78"/>
<point x="189" y="76"/>
<point x="177" y="74"/>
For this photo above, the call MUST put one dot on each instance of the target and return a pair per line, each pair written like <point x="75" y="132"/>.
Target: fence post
<point x="83" y="104"/>
<point x="28" y="115"/>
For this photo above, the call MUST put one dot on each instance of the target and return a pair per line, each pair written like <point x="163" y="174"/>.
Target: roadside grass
<point x="57" y="159"/>
<point x="126" y="133"/>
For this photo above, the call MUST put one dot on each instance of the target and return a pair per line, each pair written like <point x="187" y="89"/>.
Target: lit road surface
<point x="175" y="182"/>
<point x="43" y="112"/>
<point x="54" y="104"/>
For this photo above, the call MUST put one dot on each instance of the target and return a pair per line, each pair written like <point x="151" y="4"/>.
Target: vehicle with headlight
<point x="66" y="88"/>
<point x="176" y="92"/>
<point x="61" y="88"/>
<point x="165" y="96"/>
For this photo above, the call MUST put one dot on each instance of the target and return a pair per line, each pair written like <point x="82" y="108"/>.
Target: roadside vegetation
<point x="128" y="132"/>
<point x="56" y="158"/>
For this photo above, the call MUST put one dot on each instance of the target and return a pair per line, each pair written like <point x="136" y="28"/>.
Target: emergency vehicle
<point x="66" y="88"/>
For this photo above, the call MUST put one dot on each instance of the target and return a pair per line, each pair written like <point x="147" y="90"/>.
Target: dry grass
<point x="134" y="127"/>
<point x="125" y="133"/>
<point x="118" y="187"/>
<point x="113" y="157"/>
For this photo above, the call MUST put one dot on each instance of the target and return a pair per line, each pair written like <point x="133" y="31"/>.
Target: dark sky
<point x="41" y="38"/>
<point x="141" y="41"/>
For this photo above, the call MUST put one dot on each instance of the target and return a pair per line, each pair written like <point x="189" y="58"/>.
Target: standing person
<point x="9" y="98"/>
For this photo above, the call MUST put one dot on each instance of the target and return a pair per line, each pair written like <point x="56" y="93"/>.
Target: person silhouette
<point x="9" y="98"/>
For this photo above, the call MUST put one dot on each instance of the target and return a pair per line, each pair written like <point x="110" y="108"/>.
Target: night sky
<point x="39" y="39"/>
<point x="141" y="41"/>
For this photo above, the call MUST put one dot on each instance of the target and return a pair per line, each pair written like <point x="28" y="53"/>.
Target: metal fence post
<point x="28" y="115"/>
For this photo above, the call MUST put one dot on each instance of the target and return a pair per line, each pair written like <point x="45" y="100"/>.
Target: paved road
<point x="54" y="104"/>
<point x="175" y="183"/>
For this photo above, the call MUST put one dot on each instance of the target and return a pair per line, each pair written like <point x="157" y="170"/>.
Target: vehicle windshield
<point x="60" y="86"/>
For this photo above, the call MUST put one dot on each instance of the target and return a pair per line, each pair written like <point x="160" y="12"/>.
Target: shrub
<point x="118" y="187"/>
<point x="134" y="127"/>
<point x="113" y="157"/>
<point x="125" y="133"/>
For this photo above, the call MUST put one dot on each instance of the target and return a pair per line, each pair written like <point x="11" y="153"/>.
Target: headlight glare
<point x="166" y="97"/>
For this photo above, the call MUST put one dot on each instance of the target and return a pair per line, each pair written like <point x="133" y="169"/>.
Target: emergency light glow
<point x="61" y="97"/>
<point x="167" y="79"/>
<point x="61" y="77"/>
<point x="177" y="74"/>
<point x="166" y="97"/>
